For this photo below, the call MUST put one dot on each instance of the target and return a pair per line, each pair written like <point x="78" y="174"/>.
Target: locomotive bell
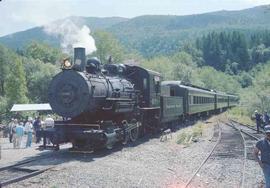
<point x="79" y="58"/>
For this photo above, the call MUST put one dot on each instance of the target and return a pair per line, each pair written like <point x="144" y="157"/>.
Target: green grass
<point x="240" y="115"/>
<point x="189" y="135"/>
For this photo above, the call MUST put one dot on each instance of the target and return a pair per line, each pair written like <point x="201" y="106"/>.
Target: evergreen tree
<point x="241" y="53"/>
<point x="220" y="48"/>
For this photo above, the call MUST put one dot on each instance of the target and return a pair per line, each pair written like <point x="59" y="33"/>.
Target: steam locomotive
<point x="103" y="105"/>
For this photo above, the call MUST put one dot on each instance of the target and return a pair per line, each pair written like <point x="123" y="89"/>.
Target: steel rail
<point x="20" y="178"/>
<point x="16" y="164"/>
<point x="245" y="161"/>
<point x="256" y="138"/>
<point x="245" y="125"/>
<point x="204" y="161"/>
<point x="241" y="130"/>
<point x="17" y="167"/>
<point x="245" y="152"/>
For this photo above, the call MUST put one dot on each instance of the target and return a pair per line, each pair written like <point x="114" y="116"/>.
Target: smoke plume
<point x="72" y="36"/>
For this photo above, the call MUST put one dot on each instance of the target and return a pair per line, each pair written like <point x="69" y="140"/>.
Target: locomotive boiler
<point x="85" y="91"/>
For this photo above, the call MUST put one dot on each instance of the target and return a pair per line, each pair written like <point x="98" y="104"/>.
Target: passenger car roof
<point x="190" y="88"/>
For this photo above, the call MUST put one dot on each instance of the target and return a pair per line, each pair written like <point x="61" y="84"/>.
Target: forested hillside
<point x="19" y="40"/>
<point x="152" y="35"/>
<point x="233" y="52"/>
<point x="156" y="35"/>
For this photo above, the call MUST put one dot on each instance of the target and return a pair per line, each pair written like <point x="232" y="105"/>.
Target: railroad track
<point x="216" y="135"/>
<point x="32" y="167"/>
<point x="29" y="168"/>
<point x="250" y="137"/>
<point x="229" y="147"/>
<point x="19" y="171"/>
<point x="246" y="126"/>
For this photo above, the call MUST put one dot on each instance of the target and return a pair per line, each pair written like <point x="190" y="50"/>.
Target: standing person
<point x="37" y="127"/>
<point x="265" y="118"/>
<point x="258" y="118"/>
<point x="25" y="120"/>
<point x="14" y="135"/>
<point x="263" y="147"/>
<point x="10" y="130"/>
<point x="19" y="135"/>
<point x="29" y="132"/>
<point x="48" y="123"/>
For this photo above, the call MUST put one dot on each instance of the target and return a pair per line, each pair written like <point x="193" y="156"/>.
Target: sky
<point x="18" y="15"/>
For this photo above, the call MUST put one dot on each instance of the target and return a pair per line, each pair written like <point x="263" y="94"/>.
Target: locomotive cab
<point x="148" y="83"/>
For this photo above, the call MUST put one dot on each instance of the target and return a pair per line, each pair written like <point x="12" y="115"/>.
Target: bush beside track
<point x="241" y="115"/>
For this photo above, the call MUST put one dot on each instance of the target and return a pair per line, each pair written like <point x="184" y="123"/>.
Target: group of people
<point x="262" y="148"/>
<point x="30" y="127"/>
<point x="261" y="120"/>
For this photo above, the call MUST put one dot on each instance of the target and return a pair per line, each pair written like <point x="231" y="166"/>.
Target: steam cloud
<point x="72" y="36"/>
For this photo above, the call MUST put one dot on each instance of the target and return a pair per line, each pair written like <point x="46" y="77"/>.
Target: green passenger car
<point x="195" y="100"/>
<point x="171" y="108"/>
<point x="222" y="101"/>
<point x="233" y="100"/>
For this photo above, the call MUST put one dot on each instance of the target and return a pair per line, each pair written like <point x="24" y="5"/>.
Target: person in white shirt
<point x="49" y="122"/>
<point x="29" y="131"/>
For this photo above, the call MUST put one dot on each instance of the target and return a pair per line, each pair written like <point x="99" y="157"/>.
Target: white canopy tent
<point x="30" y="107"/>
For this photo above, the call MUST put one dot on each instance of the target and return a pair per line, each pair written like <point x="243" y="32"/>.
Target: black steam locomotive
<point x="103" y="105"/>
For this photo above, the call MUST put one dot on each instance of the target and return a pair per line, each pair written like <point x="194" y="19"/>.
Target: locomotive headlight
<point x="66" y="64"/>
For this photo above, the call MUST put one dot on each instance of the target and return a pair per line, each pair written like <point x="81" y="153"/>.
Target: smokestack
<point x="79" y="58"/>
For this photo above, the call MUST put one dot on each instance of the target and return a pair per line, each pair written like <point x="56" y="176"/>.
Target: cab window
<point x="145" y="84"/>
<point x="172" y="92"/>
